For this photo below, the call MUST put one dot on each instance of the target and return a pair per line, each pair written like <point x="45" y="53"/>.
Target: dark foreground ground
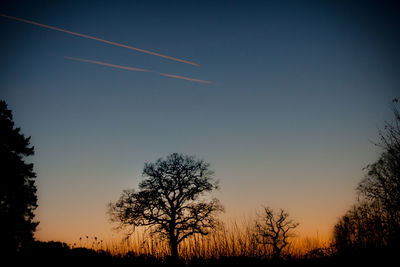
<point x="59" y="254"/>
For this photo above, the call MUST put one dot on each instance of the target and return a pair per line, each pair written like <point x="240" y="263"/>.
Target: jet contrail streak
<point x="99" y="39"/>
<point x="136" y="69"/>
<point x="184" y="78"/>
<point x="107" y="64"/>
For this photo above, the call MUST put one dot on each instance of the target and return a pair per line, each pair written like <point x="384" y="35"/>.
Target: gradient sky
<point x="298" y="91"/>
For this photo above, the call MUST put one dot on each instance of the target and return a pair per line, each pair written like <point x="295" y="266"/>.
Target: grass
<point x="235" y="239"/>
<point x="232" y="245"/>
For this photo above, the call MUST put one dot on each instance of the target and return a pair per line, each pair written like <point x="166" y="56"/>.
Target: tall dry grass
<point x="234" y="239"/>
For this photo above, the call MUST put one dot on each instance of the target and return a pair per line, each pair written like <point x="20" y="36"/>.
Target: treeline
<point x="373" y="223"/>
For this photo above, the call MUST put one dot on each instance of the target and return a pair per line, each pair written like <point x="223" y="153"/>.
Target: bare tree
<point x="170" y="200"/>
<point x="374" y="221"/>
<point x="275" y="229"/>
<point x="382" y="182"/>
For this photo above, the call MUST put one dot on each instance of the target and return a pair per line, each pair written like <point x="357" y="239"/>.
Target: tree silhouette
<point x="170" y="200"/>
<point x="17" y="186"/>
<point x="275" y="229"/>
<point x="382" y="182"/>
<point x="362" y="227"/>
<point x="375" y="220"/>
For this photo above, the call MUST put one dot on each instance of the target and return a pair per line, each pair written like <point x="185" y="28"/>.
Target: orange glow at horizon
<point x="98" y="39"/>
<point x="104" y="230"/>
<point x="236" y="233"/>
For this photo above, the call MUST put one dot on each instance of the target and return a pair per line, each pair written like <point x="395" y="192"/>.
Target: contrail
<point x="99" y="39"/>
<point x="136" y="69"/>
<point x="108" y="64"/>
<point x="184" y="78"/>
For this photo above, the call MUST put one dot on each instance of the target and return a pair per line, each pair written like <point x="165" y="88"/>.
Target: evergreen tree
<point x="17" y="186"/>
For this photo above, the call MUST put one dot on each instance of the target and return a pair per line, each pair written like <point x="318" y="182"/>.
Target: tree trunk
<point x="277" y="253"/>
<point x="174" y="248"/>
<point x="173" y="238"/>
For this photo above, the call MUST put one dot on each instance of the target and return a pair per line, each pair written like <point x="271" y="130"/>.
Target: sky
<point x="283" y="98"/>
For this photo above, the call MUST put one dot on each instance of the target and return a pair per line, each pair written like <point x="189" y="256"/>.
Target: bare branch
<point x="275" y="229"/>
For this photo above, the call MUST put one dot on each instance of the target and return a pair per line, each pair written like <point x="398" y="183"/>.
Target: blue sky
<point x="299" y="91"/>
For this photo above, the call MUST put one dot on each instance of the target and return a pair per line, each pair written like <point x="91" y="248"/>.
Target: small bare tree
<point x="170" y="200"/>
<point x="275" y="229"/>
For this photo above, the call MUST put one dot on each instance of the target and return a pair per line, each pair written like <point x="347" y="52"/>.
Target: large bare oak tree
<point x="171" y="200"/>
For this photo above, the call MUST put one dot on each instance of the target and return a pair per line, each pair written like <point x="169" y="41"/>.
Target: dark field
<point x="60" y="254"/>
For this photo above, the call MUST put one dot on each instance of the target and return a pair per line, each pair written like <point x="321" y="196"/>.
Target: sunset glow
<point x="285" y="112"/>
